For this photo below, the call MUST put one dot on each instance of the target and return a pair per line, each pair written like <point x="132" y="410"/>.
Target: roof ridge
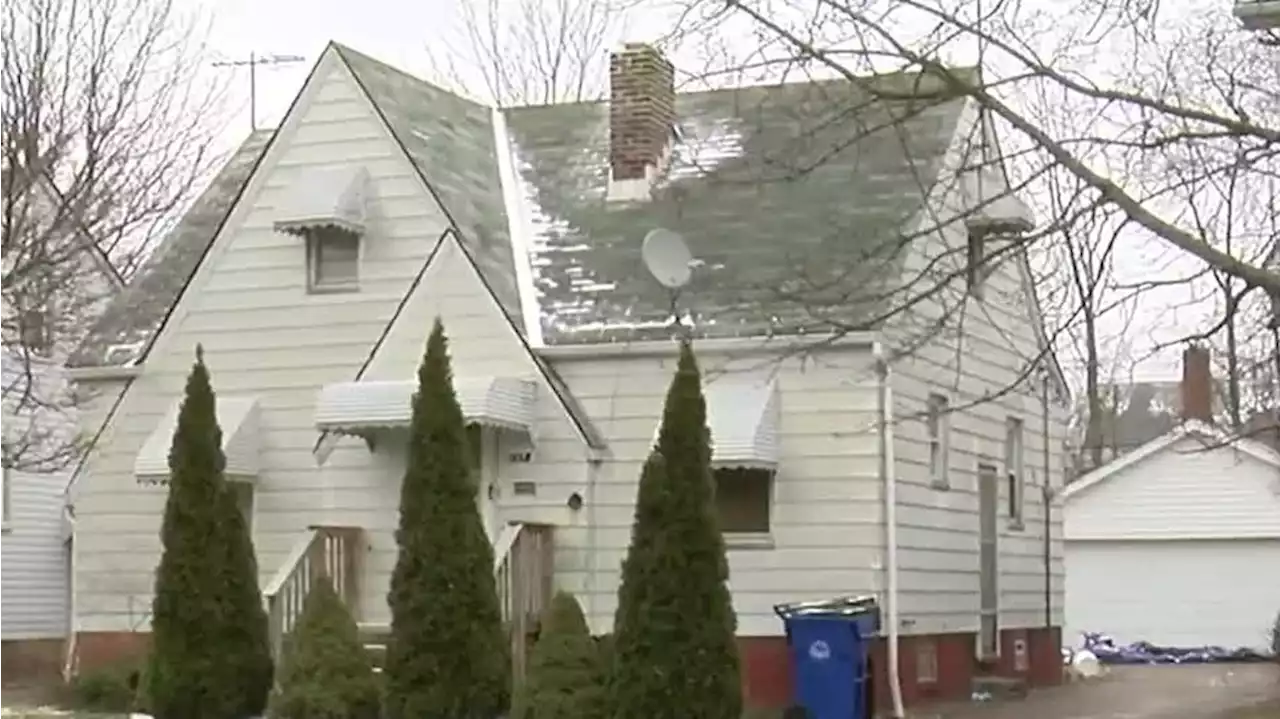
<point x="346" y="50"/>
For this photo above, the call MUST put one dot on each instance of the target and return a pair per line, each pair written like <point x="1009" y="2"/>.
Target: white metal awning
<point x="238" y="420"/>
<point x="360" y="407"/>
<point x="743" y="416"/>
<point x="330" y="197"/>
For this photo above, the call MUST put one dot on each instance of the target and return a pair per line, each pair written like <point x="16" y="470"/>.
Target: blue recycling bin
<point x="829" y="642"/>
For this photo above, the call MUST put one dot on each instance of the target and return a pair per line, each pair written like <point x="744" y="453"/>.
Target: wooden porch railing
<point x="523" y="557"/>
<point x="332" y="552"/>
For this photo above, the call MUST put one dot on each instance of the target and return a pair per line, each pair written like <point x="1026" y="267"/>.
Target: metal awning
<point x="238" y="420"/>
<point x="743" y="416"/>
<point x="329" y="197"/>
<point x="358" y="408"/>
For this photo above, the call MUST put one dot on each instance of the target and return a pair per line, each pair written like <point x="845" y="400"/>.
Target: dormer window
<point x="333" y="260"/>
<point x="327" y="209"/>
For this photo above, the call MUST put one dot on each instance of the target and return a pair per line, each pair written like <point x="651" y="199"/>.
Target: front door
<point x="988" y="561"/>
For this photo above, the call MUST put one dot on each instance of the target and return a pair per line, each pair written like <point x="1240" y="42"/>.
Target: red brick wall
<point x="766" y="664"/>
<point x="96" y="650"/>
<point x="30" y="661"/>
<point x="767" y="678"/>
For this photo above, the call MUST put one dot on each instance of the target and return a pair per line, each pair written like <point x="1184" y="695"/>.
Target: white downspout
<point x="69" y="648"/>
<point x="890" y="525"/>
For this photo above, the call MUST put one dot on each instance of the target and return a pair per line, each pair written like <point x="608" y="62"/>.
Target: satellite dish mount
<point x="668" y="259"/>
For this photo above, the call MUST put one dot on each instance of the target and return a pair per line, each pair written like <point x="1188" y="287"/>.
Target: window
<point x="926" y="661"/>
<point x="243" y="492"/>
<point x="743" y="500"/>
<point x="37" y="335"/>
<point x="5" y="497"/>
<point x="333" y="260"/>
<point x="975" y="263"/>
<point x="1014" y="469"/>
<point x="938" y="421"/>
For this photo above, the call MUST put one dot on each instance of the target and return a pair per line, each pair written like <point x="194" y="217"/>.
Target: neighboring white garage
<point x="1177" y="543"/>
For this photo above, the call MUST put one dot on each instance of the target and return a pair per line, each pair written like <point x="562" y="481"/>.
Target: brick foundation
<point x="766" y="664"/>
<point x="31" y="661"/>
<point x="767" y="677"/>
<point x="97" y="650"/>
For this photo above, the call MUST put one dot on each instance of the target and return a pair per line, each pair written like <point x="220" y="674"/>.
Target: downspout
<point x="594" y="462"/>
<point x="888" y="473"/>
<point x="1047" y="501"/>
<point x="69" y="649"/>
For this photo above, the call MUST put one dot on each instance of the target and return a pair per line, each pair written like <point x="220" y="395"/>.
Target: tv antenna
<point x="668" y="259"/>
<point x="253" y="62"/>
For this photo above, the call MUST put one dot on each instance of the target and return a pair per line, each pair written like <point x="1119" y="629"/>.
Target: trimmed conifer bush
<point x="325" y="673"/>
<point x="674" y="652"/>
<point x="447" y="655"/>
<point x="563" y="679"/>
<point x="209" y="655"/>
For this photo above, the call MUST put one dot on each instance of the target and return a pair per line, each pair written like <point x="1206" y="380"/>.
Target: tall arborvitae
<point x="447" y="657"/>
<point x="564" y="678"/>
<point x="208" y="657"/>
<point x="674" y="653"/>
<point x="246" y="643"/>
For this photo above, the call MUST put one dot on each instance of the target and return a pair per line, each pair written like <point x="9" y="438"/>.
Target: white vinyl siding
<point x="34" y="564"/>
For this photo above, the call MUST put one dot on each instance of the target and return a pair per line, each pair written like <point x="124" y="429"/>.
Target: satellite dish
<point x="668" y="258"/>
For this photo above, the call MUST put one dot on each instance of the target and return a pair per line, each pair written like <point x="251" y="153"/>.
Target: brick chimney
<point x="642" y="101"/>
<point x="1197" y="385"/>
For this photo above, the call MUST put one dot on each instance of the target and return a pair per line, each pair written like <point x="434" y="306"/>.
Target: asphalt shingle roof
<point x="793" y="197"/>
<point x="129" y="323"/>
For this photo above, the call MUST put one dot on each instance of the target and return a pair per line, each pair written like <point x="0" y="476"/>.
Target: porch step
<point x="373" y="637"/>
<point x="998" y="687"/>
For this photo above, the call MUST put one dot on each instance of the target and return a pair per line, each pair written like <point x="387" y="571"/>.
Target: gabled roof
<point x="450" y="142"/>
<point x="795" y="197"/>
<point x="1209" y="435"/>
<point x="131" y="321"/>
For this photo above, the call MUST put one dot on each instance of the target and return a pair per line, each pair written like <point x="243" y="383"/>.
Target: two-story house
<point x="57" y="278"/>
<point x="864" y="443"/>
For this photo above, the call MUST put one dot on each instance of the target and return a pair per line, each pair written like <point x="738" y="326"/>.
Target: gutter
<point x="101" y="373"/>
<point x="888" y="473"/>
<point x="711" y="345"/>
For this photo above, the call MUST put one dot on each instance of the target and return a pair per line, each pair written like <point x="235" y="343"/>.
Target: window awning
<point x="329" y="197"/>
<point x="238" y="420"/>
<point x="743" y="416"/>
<point x="361" y="407"/>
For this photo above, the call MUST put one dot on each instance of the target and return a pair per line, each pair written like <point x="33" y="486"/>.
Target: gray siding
<point x="35" y="559"/>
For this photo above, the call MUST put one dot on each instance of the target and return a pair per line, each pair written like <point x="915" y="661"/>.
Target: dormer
<point x="642" y="113"/>
<point x="328" y="210"/>
<point x="994" y="218"/>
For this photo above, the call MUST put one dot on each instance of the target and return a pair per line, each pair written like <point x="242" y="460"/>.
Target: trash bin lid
<point x="836" y="607"/>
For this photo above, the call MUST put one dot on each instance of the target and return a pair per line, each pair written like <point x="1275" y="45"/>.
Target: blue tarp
<point x="1108" y="652"/>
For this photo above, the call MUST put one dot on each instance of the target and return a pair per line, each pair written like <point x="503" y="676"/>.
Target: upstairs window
<point x="938" y="427"/>
<point x="37" y="334"/>
<point x="8" y="509"/>
<point x="333" y="260"/>
<point x="1015" y="470"/>
<point x="976" y="263"/>
<point x="328" y="209"/>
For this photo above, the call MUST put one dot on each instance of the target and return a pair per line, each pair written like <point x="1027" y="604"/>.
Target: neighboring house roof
<point x="1208" y="434"/>
<point x="123" y="332"/>
<point x="789" y="195"/>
